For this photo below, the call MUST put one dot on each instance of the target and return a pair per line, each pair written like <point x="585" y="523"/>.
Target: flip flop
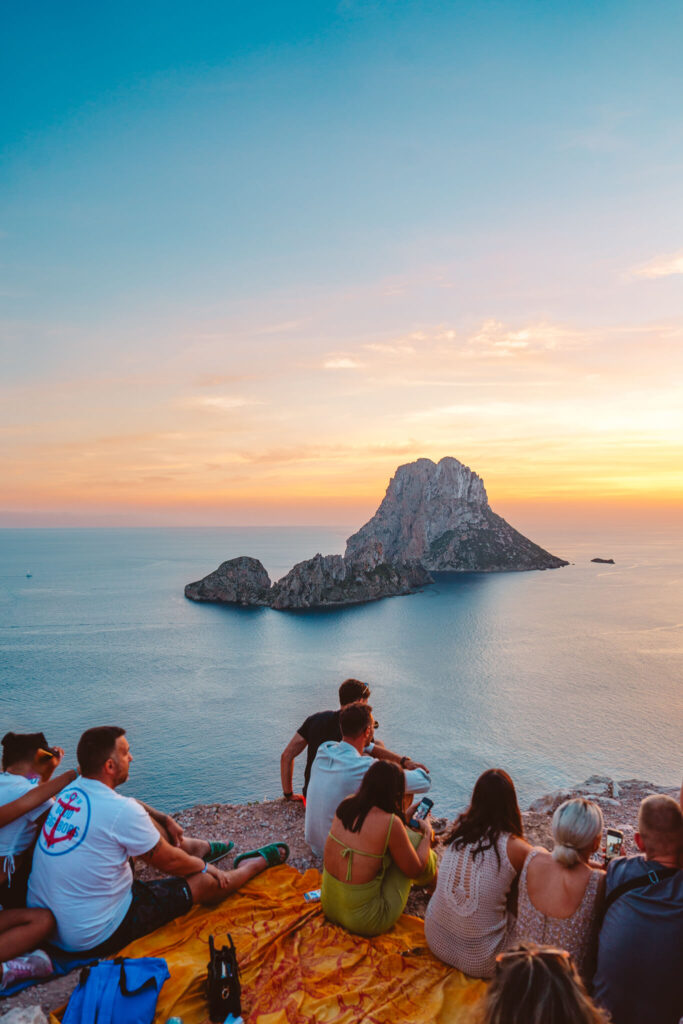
<point x="271" y="853"/>
<point x="217" y="851"/>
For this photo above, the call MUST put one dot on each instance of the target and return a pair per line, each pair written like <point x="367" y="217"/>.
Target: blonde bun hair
<point x="576" y="824"/>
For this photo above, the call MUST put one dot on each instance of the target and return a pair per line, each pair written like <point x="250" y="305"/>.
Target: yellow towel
<point x="297" y="968"/>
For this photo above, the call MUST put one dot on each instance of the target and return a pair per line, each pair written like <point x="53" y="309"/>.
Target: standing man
<point x="324" y="727"/>
<point x="640" y="953"/>
<point x="81" y="870"/>
<point x="338" y="771"/>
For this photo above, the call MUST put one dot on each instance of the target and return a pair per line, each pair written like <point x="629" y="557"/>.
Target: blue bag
<point x="120" y="991"/>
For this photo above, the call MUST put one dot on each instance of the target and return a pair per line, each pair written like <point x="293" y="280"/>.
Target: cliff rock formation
<point x="328" y="580"/>
<point x="438" y="515"/>
<point x="239" y="581"/>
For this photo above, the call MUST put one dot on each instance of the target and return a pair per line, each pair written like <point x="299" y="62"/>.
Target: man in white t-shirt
<point x="338" y="771"/>
<point x="81" y="870"/>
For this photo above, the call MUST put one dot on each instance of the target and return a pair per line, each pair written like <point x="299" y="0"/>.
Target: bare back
<point x="367" y="848"/>
<point x="556" y="890"/>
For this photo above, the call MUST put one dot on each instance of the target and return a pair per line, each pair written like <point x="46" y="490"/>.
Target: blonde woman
<point x="560" y="893"/>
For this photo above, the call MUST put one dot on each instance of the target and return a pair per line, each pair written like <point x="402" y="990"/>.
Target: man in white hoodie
<point x="338" y="770"/>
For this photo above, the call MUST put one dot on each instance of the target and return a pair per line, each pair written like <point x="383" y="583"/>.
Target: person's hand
<point x="295" y="798"/>
<point x="409" y="765"/>
<point x="49" y="764"/>
<point x="425" y="826"/>
<point x="175" y="831"/>
<point x="221" y="877"/>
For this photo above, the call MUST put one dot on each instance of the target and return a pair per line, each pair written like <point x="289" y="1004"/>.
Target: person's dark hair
<point x="355" y="719"/>
<point x="493" y="810"/>
<point x="538" y="985"/>
<point x="352" y="690"/>
<point x="96" y="746"/>
<point x="383" y="786"/>
<point x="18" y="746"/>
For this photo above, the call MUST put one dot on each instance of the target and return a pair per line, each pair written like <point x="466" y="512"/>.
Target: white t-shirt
<point x="20" y="833"/>
<point x="80" y="864"/>
<point x="337" y="772"/>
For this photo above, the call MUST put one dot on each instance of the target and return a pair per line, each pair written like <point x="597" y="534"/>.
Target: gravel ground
<point x="253" y="825"/>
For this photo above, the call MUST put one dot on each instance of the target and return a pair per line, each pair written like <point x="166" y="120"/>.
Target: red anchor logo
<point x="50" y="838"/>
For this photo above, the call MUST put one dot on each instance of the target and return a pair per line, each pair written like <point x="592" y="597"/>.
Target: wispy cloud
<point x="224" y="403"/>
<point x="342" y="363"/>
<point x="661" y="266"/>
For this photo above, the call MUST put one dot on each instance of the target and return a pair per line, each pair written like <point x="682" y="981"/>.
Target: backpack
<point x="120" y="991"/>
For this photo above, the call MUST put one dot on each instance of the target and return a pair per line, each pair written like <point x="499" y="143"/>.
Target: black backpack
<point x="223" y="982"/>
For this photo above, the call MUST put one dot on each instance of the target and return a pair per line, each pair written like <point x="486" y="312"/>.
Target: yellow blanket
<point x="297" y="968"/>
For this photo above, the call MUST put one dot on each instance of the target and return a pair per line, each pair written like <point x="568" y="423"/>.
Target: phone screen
<point x="422" y="810"/>
<point x="614" y="844"/>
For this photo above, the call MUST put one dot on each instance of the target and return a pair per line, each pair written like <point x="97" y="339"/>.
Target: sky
<point x="254" y="257"/>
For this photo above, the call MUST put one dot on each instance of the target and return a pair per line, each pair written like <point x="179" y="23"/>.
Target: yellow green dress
<point x="373" y="907"/>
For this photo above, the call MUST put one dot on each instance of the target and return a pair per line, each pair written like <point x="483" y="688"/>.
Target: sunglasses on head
<point x="550" y="953"/>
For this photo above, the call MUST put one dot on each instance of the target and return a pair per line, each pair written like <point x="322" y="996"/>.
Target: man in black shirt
<point x="323" y="727"/>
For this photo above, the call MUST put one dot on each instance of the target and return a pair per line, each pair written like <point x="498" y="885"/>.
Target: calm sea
<point x="552" y="675"/>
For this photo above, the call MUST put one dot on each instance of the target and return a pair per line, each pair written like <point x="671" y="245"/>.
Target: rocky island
<point x="435" y="517"/>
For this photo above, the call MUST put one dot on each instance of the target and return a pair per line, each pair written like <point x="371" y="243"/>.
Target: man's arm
<point x="417" y="781"/>
<point x="293" y="748"/>
<point x="169" y="828"/>
<point x="174" y="861"/>
<point x="36" y="796"/>
<point x="383" y="754"/>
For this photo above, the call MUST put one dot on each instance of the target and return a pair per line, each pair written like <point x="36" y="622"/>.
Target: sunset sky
<point x="253" y="257"/>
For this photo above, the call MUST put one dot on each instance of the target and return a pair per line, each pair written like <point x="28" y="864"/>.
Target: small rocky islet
<point x="434" y="518"/>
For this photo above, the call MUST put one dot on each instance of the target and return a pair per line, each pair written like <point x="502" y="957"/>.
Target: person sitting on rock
<point x="338" y="770"/>
<point x="81" y="869"/>
<point x="323" y="727"/>
<point x="560" y="893"/>
<point x="23" y="930"/>
<point x="28" y="764"/>
<point x="372" y="857"/>
<point x="640" y="947"/>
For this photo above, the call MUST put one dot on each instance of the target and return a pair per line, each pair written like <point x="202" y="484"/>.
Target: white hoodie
<point x="337" y="772"/>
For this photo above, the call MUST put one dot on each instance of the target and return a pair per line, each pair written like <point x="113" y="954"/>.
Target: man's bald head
<point x="660" y="826"/>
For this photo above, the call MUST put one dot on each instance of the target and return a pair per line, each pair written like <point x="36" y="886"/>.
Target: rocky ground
<point x="253" y="825"/>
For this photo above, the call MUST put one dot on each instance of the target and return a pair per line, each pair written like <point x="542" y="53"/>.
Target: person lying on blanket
<point x="81" y="870"/>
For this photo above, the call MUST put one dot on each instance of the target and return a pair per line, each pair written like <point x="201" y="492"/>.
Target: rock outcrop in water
<point x="438" y="514"/>
<point x="328" y="580"/>
<point x="239" y="581"/>
<point x="434" y="517"/>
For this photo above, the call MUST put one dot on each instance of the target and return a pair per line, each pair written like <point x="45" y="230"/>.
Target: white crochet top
<point x="467" y="923"/>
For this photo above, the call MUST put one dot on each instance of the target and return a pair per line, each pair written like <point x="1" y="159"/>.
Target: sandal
<point x="217" y="851"/>
<point x="271" y="853"/>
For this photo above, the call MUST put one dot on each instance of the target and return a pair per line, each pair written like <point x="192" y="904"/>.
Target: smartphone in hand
<point x="421" y="811"/>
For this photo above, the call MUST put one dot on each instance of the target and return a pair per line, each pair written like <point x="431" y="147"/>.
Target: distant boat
<point x="29" y="575"/>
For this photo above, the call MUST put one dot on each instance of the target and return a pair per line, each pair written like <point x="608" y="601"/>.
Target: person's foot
<point x="26" y="968"/>
<point x="217" y="851"/>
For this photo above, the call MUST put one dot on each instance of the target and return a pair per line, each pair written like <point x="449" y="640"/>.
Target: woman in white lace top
<point x="467" y="921"/>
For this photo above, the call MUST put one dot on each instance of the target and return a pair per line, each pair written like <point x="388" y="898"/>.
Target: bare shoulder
<point x="518" y="850"/>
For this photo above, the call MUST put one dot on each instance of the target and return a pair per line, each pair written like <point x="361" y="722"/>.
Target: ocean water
<point x="551" y="675"/>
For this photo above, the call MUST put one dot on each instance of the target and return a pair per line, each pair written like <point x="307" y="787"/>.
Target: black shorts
<point x="154" y="905"/>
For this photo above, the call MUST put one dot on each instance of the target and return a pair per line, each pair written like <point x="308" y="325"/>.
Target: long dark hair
<point x="383" y="786"/>
<point x="493" y="810"/>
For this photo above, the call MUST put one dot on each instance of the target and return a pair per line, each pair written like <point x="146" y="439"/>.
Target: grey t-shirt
<point x="639" y="978"/>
